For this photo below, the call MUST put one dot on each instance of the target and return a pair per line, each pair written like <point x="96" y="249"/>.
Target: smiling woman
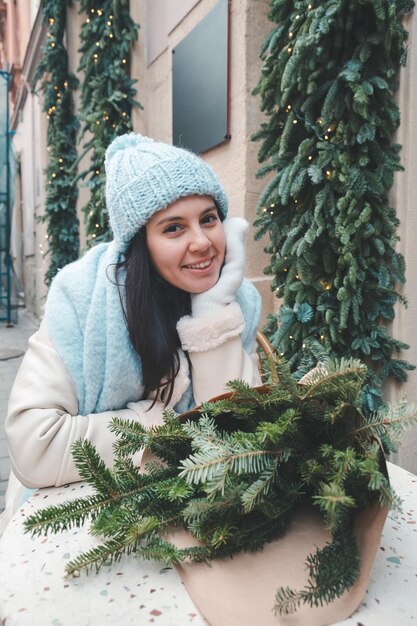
<point x="159" y="317"/>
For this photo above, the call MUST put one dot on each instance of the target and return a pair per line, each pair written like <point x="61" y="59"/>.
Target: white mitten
<point x="224" y="291"/>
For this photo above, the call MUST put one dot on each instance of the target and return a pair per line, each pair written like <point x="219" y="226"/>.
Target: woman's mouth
<point x="199" y="266"/>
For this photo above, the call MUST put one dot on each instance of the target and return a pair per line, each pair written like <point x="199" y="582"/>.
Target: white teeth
<point x="199" y="266"/>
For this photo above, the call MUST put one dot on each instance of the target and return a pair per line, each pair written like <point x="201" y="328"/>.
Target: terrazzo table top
<point x="33" y="590"/>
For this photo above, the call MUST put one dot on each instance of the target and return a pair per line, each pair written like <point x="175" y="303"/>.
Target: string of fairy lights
<point x="60" y="244"/>
<point x="322" y="135"/>
<point x="107" y="34"/>
<point x="323" y="132"/>
<point x="107" y="96"/>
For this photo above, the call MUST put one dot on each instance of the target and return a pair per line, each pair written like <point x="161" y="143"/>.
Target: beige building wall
<point x="29" y="145"/>
<point x="22" y="42"/>
<point x="404" y="199"/>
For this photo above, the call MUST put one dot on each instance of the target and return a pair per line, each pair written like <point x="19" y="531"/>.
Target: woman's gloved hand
<point x="231" y="276"/>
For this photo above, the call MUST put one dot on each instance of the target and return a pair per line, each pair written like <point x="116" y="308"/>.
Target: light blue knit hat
<point x="144" y="176"/>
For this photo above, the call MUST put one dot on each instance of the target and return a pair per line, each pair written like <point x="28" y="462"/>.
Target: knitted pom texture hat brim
<point x="144" y="176"/>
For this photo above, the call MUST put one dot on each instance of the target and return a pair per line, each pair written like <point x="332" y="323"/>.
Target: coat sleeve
<point x="43" y="421"/>
<point x="215" y="348"/>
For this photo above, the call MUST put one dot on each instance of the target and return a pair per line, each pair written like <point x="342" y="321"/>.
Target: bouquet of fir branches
<point x="234" y="472"/>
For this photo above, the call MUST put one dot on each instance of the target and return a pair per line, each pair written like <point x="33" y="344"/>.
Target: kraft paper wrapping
<point x="240" y="591"/>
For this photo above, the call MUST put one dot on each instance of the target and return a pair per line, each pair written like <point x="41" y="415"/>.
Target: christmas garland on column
<point x="57" y="87"/>
<point x="328" y="78"/>
<point x="107" y="96"/>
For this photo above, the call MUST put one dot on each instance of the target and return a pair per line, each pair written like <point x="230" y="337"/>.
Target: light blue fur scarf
<point x="86" y="324"/>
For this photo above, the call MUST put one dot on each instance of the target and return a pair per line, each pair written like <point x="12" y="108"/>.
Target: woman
<point x="160" y="317"/>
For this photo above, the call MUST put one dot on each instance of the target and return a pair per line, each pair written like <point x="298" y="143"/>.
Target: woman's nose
<point x="199" y="241"/>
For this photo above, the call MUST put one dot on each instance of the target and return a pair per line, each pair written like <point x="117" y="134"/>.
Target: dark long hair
<point x="152" y="308"/>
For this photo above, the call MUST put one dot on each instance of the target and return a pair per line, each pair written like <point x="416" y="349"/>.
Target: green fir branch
<point x="332" y="571"/>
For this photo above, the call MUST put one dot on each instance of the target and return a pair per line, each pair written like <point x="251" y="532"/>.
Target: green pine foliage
<point x="234" y="472"/>
<point x="57" y="86"/>
<point x="330" y="71"/>
<point x="107" y="96"/>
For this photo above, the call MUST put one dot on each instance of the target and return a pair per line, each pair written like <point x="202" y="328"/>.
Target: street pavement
<point x="13" y="344"/>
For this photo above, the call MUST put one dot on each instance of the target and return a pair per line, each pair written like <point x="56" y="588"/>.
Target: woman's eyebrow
<point x="180" y="218"/>
<point x="170" y="219"/>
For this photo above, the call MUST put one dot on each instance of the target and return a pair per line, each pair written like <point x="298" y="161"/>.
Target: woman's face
<point x="187" y="244"/>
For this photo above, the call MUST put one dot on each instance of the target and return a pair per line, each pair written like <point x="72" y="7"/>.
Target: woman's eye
<point x="172" y="228"/>
<point x="210" y="218"/>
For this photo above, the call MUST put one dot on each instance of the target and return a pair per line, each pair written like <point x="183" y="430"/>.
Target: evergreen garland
<point x="328" y="79"/>
<point x="61" y="191"/>
<point x="234" y="472"/>
<point x="107" y="96"/>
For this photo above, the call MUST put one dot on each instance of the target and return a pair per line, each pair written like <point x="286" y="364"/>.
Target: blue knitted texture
<point x="144" y="176"/>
